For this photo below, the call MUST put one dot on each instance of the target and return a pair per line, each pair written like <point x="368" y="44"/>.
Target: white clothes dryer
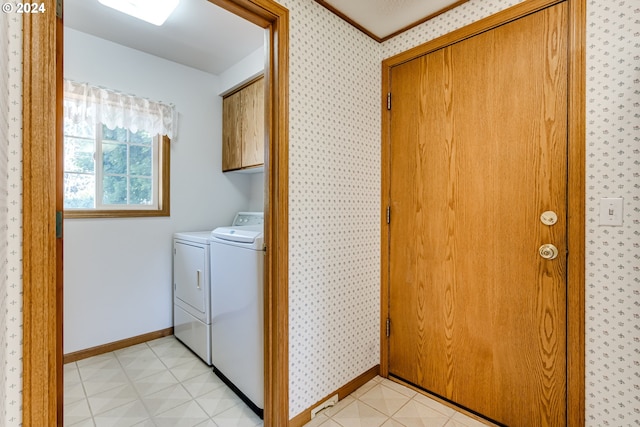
<point x="237" y="332"/>
<point x="192" y="292"/>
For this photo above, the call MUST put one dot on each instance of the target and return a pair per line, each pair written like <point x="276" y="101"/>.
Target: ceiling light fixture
<point x="152" y="11"/>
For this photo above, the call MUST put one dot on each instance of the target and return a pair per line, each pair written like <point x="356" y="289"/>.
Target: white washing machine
<point x="192" y="292"/>
<point x="237" y="332"/>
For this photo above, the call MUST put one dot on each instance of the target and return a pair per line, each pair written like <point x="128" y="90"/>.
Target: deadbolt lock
<point x="549" y="218"/>
<point x="548" y="251"/>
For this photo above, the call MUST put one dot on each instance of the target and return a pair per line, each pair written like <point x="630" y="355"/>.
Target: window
<point x="117" y="172"/>
<point x="116" y="154"/>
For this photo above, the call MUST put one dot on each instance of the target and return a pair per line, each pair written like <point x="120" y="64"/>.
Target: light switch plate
<point x="611" y="211"/>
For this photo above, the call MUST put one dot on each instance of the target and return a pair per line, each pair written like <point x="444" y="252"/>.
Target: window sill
<point x="122" y="213"/>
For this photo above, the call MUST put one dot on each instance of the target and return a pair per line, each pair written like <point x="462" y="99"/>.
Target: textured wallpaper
<point x="4" y="149"/>
<point x="334" y="121"/>
<point x="467" y="13"/>
<point x="11" y="224"/>
<point x="334" y="197"/>
<point x="613" y="253"/>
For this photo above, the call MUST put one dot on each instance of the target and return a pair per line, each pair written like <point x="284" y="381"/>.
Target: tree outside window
<point x="111" y="172"/>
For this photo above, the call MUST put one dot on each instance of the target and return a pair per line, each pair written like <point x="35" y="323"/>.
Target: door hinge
<point x="389" y="101"/>
<point x="388" y="327"/>
<point x="58" y="224"/>
<point x="388" y="214"/>
<point x="59" y="9"/>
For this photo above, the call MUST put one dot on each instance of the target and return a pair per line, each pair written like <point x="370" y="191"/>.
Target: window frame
<point x="163" y="208"/>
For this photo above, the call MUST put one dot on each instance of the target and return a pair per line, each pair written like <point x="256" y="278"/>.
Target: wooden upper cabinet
<point x="231" y="132"/>
<point x="243" y="127"/>
<point x="253" y="124"/>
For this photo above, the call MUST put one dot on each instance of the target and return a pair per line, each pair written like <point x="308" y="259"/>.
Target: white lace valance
<point x="91" y="105"/>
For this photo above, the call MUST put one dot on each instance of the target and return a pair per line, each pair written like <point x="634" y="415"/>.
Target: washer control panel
<point x="248" y="218"/>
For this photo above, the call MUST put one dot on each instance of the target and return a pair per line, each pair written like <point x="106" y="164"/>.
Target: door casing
<point x="575" y="183"/>
<point x="42" y="194"/>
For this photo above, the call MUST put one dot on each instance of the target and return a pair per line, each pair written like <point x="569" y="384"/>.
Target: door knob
<point x="548" y="251"/>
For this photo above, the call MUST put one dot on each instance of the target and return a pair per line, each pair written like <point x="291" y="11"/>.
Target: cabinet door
<point x="253" y="124"/>
<point x="231" y="132"/>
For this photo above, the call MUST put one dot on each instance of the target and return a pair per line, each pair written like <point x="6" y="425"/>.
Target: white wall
<point x="117" y="272"/>
<point x="245" y="70"/>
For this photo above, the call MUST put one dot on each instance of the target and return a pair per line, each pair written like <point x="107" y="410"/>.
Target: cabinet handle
<point x="198" y="273"/>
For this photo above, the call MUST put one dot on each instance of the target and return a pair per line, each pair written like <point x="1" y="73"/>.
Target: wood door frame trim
<point x="42" y="284"/>
<point x="42" y="322"/>
<point x="576" y="184"/>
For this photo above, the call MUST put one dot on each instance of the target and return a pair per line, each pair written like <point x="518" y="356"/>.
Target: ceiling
<point x="198" y="34"/>
<point x="382" y="19"/>
<point x="204" y="36"/>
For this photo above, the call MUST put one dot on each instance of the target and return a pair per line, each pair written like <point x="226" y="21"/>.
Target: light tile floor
<point x="158" y="383"/>
<point x="384" y="403"/>
<point x="161" y="383"/>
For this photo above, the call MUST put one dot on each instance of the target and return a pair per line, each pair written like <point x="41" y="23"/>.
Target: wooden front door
<point x="478" y="152"/>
